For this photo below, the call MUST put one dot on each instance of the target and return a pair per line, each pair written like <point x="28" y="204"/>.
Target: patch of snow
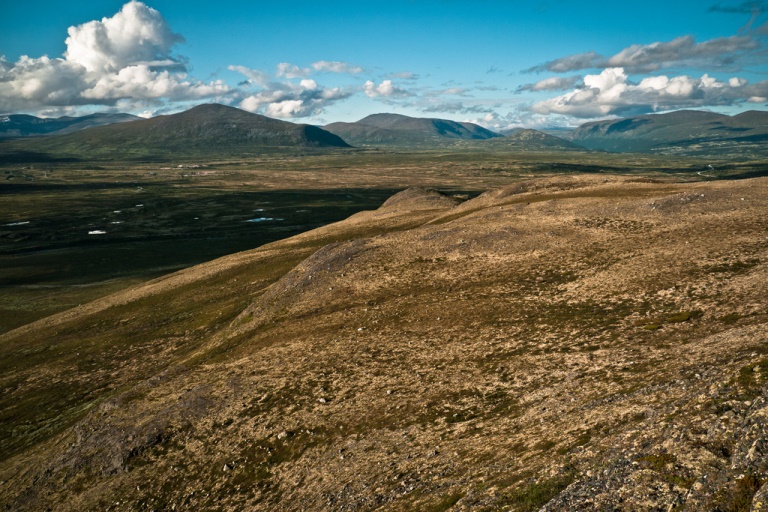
<point x="18" y="223"/>
<point x="97" y="232"/>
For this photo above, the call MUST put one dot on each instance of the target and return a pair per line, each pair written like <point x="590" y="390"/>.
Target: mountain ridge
<point x="682" y="131"/>
<point x="24" y="125"/>
<point x="207" y="129"/>
<point x="398" y="129"/>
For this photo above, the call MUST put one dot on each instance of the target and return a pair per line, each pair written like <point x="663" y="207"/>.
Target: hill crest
<point x="401" y="130"/>
<point x="208" y="130"/>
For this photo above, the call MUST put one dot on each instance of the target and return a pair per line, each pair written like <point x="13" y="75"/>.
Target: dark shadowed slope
<point x="205" y="130"/>
<point x="21" y="125"/>
<point x="399" y="130"/>
<point x="685" y="131"/>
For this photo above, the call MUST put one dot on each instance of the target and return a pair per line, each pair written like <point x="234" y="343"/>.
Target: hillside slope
<point x="682" y="132"/>
<point x="579" y="343"/>
<point x="400" y="130"/>
<point x="20" y="125"/>
<point x="523" y="140"/>
<point x="207" y="130"/>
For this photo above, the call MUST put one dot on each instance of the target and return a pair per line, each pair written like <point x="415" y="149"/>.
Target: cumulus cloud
<point x="287" y="70"/>
<point x="385" y="89"/>
<point x="326" y="66"/>
<point x="137" y="35"/>
<point x="290" y="100"/>
<point x="727" y="53"/>
<point x="611" y="93"/>
<point x="125" y="57"/>
<point x="142" y="82"/>
<point x="555" y="83"/>
<point x="720" y="53"/>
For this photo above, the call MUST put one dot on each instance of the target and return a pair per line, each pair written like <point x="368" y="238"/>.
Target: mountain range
<point x="400" y="130"/>
<point x="525" y="139"/>
<point x="22" y="125"/>
<point x="684" y="131"/>
<point x="210" y="130"/>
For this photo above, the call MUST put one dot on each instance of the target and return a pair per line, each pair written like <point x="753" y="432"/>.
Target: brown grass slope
<point x="580" y="343"/>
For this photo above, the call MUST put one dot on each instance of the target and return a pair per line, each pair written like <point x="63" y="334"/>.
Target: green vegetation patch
<point x="738" y="496"/>
<point x="536" y="494"/>
<point x="446" y="502"/>
<point x="751" y="379"/>
<point x="665" y="464"/>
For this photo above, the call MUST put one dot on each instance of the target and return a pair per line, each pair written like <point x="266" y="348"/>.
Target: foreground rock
<point x="572" y="343"/>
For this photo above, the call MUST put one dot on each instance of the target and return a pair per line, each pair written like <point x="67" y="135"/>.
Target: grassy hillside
<point x="19" y="125"/>
<point x="573" y="342"/>
<point x="208" y="131"/>
<point x="688" y="132"/>
<point x="400" y="130"/>
<point x="523" y="140"/>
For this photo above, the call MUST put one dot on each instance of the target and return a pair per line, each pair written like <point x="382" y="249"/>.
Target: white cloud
<point x="555" y="83"/>
<point x="289" y="100"/>
<point x="403" y="75"/>
<point x="36" y="83"/>
<point x="286" y="108"/>
<point x="683" y="51"/>
<point x="136" y="35"/>
<point x="386" y="89"/>
<point x="737" y="82"/>
<point x="523" y="119"/>
<point x="568" y="63"/>
<point x="308" y="84"/>
<point x="125" y="57"/>
<point x="611" y="93"/>
<point x="287" y="70"/>
<point x="326" y="66"/>
<point x="142" y="82"/>
<point x="453" y="91"/>
<point x="724" y="53"/>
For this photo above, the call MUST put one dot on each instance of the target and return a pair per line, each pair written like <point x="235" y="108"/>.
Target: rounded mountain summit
<point x="204" y="129"/>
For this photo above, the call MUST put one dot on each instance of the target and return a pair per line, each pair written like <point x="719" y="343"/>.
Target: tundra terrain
<point x="571" y="342"/>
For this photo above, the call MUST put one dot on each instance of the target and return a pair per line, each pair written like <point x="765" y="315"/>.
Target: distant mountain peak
<point x="400" y="130"/>
<point x="679" y="132"/>
<point x="24" y="125"/>
<point x="208" y="129"/>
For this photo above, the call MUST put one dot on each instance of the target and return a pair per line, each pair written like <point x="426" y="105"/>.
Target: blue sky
<point x="500" y="63"/>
